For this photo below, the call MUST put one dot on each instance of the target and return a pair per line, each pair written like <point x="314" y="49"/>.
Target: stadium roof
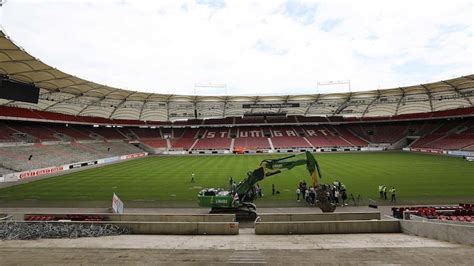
<point x="64" y="93"/>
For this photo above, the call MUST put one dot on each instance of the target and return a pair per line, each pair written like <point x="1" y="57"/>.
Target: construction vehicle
<point x="239" y="199"/>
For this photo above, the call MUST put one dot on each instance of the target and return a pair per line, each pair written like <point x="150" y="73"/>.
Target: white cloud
<point x="255" y="47"/>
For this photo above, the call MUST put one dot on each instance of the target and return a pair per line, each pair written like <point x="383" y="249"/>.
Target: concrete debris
<point x="11" y="230"/>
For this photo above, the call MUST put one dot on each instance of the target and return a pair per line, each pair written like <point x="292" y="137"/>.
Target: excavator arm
<point x="272" y="167"/>
<point x="278" y="165"/>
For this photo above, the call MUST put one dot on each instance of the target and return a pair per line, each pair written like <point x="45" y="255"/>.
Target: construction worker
<point x="384" y="189"/>
<point x="303" y="189"/>
<point x="381" y="191"/>
<point x="343" y="197"/>
<point x="393" y="192"/>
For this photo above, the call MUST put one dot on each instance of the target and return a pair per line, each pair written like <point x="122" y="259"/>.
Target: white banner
<point x="461" y="153"/>
<point x="117" y="204"/>
<point x="175" y="152"/>
<point x="108" y="160"/>
<point x="372" y="149"/>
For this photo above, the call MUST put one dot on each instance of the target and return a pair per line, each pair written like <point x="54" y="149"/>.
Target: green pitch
<point x="166" y="180"/>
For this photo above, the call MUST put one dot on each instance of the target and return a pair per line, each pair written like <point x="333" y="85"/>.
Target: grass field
<point x="161" y="180"/>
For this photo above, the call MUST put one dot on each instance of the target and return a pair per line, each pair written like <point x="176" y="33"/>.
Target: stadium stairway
<point x="345" y="134"/>
<point x="468" y="148"/>
<point x="194" y="144"/>
<point x="360" y="136"/>
<point x="309" y="143"/>
<point x="426" y="140"/>
<point x="232" y="142"/>
<point x="271" y="143"/>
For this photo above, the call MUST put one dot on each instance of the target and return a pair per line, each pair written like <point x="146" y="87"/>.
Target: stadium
<point x="71" y="148"/>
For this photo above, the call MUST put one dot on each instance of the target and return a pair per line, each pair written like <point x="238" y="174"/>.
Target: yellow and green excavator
<point x="239" y="199"/>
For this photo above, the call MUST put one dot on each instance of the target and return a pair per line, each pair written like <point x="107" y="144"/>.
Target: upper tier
<point x="67" y="94"/>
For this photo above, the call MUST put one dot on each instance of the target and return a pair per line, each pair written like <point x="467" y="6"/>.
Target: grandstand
<point x="16" y="158"/>
<point x="429" y="131"/>
<point x="441" y="133"/>
<point x="56" y="142"/>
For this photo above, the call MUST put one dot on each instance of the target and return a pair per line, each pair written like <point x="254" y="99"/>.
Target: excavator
<point x="239" y="199"/>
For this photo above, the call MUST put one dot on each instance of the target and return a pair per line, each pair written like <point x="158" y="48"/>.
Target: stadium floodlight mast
<point x="210" y="85"/>
<point x="334" y="83"/>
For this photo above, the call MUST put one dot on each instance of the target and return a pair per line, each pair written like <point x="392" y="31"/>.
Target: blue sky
<point x="253" y="47"/>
